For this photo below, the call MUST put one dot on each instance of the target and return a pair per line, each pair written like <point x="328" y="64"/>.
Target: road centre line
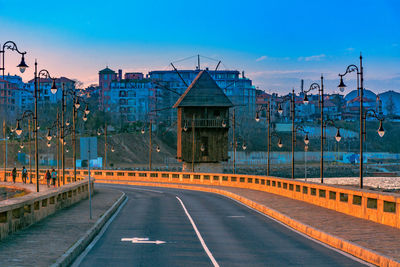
<point x="214" y="262"/>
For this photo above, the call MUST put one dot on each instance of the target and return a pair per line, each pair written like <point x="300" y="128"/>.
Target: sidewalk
<point x="44" y="242"/>
<point x="373" y="236"/>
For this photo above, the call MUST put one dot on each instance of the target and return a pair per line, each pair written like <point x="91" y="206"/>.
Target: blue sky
<point x="276" y="43"/>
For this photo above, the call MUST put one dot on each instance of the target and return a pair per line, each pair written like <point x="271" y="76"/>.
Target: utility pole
<point x="29" y="147"/>
<point x="193" y="143"/>
<point x="5" y="150"/>
<point x="150" y="147"/>
<point x="321" y="104"/>
<point x="62" y="136"/>
<point x="105" y="145"/>
<point x="74" y="139"/>
<point x="58" y="148"/>
<point x="293" y="131"/>
<point x="234" y="142"/>
<point x="269" y="135"/>
<point x="35" y="129"/>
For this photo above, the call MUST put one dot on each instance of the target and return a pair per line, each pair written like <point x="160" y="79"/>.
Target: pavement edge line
<point x="68" y="257"/>
<point x="333" y="241"/>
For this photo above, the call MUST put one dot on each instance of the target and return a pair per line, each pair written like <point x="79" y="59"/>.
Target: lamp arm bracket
<point x="11" y="46"/>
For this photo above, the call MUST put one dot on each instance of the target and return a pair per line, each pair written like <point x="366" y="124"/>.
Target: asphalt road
<point x="231" y="234"/>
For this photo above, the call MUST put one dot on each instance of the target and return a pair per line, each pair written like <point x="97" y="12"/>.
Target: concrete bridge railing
<point x="380" y="207"/>
<point x="18" y="213"/>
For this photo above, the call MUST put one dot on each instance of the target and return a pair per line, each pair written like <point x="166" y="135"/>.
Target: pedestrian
<point x="24" y="174"/>
<point x="54" y="177"/>
<point x="14" y="174"/>
<point x="48" y="177"/>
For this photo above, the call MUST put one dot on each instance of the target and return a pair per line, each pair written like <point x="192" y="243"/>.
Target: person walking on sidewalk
<point x="48" y="177"/>
<point x="24" y="174"/>
<point x="14" y="174"/>
<point x="54" y="177"/>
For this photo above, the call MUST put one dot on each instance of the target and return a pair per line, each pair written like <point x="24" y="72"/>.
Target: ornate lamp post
<point x="75" y="107"/>
<point x="13" y="47"/>
<point x="293" y="113"/>
<point x="360" y="88"/>
<point x="10" y="45"/>
<point x="320" y="88"/>
<point x="150" y="145"/>
<point x="268" y="113"/>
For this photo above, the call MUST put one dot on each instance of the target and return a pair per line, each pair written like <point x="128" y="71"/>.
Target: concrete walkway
<point x="44" y="242"/>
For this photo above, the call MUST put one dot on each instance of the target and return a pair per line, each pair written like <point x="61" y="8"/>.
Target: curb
<point x="333" y="241"/>
<point x="68" y="257"/>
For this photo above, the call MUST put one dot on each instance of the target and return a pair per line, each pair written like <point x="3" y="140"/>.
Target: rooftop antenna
<point x="198" y="62"/>
<point x="179" y="74"/>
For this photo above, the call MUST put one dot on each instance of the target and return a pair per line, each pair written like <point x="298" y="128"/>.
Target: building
<point x="45" y="94"/>
<point x="106" y="76"/>
<point x="203" y="125"/>
<point x="129" y="99"/>
<point x="236" y="86"/>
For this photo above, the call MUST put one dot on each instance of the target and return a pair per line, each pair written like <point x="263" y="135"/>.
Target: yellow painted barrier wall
<point x="378" y="207"/>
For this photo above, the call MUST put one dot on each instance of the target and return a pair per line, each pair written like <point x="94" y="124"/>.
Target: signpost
<point x="91" y="144"/>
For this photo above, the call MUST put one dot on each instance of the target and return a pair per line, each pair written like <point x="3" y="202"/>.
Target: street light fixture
<point x="13" y="47"/>
<point x="359" y="70"/>
<point x="49" y="136"/>
<point x="53" y="87"/>
<point x="48" y="144"/>
<point x="280" y="145"/>
<point x="158" y="149"/>
<point x="18" y="129"/>
<point x="320" y="88"/>
<point x="338" y="137"/>
<point x="306" y="140"/>
<point x="381" y="131"/>
<point x="77" y="104"/>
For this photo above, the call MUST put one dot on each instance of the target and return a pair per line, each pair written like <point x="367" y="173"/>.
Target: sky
<point x="276" y="43"/>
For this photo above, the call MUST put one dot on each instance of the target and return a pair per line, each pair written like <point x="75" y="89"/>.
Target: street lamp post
<point x="13" y="47"/>
<point x="43" y="73"/>
<point x="10" y="45"/>
<point x="268" y="120"/>
<point x="360" y="89"/>
<point x="320" y="89"/>
<point x="75" y="107"/>
<point x="5" y="150"/>
<point x="293" y="113"/>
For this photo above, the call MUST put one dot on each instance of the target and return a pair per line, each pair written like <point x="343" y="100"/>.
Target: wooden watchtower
<point x="203" y="125"/>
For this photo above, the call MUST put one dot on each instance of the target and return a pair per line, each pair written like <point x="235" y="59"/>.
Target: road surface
<point x="200" y="229"/>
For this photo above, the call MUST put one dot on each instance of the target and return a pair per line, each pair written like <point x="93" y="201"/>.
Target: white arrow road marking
<point x="214" y="262"/>
<point x="142" y="240"/>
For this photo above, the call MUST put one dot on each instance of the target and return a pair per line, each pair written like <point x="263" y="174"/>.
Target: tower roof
<point x="107" y="71"/>
<point x="203" y="92"/>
